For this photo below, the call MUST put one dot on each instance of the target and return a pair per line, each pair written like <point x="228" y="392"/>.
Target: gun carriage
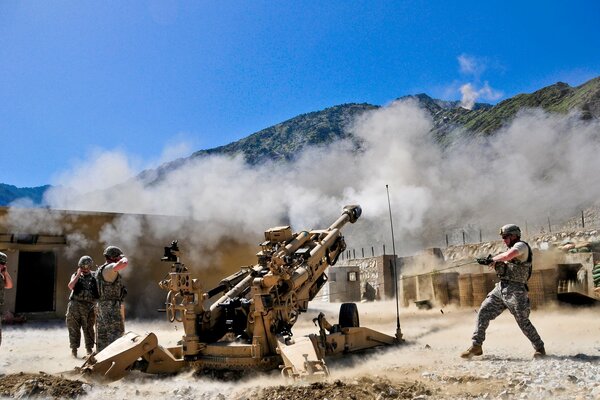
<point x="245" y="322"/>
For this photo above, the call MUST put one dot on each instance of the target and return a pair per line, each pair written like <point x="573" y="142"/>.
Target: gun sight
<point x="171" y="253"/>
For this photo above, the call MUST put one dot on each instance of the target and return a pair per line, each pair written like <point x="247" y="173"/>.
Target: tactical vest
<point x="516" y="270"/>
<point x="110" y="291"/>
<point x="86" y="289"/>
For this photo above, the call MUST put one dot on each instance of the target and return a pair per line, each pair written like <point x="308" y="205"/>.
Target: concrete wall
<point x="341" y="288"/>
<point x="377" y="273"/>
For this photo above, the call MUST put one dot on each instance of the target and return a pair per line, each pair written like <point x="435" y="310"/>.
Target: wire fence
<point x="588" y="219"/>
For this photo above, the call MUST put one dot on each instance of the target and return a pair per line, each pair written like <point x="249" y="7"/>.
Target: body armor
<point x="86" y="289"/>
<point x="516" y="270"/>
<point x="110" y="291"/>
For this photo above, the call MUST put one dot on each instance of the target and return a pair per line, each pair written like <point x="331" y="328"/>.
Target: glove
<point x="485" y="261"/>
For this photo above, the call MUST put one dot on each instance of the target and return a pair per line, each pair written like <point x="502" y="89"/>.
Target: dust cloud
<point x="434" y="340"/>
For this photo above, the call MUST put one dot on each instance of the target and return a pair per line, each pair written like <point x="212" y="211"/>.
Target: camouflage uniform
<point x="110" y="325"/>
<point x="511" y="293"/>
<point x="80" y="312"/>
<point x="5" y="282"/>
<point x="1" y="304"/>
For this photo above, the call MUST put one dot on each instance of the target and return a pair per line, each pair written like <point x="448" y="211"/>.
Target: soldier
<point x="82" y="301"/>
<point x="513" y="267"/>
<point x="110" y="325"/>
<point x="6" y="282"/>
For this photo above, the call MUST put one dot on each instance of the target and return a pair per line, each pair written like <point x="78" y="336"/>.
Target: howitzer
<point x="245" y="322"/>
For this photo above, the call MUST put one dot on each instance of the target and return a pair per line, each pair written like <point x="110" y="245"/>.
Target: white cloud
<point x="471" y="65"/>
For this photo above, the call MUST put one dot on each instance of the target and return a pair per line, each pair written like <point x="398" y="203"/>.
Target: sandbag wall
<point x="440" y="288"/>
<point x="473" y="288"/>
<point x="543" y="287"/>
<point x="408" y="289"/>
<point x="536" y="289"/>
<point x="465" y="289"/>
<point x="482" y="285"/>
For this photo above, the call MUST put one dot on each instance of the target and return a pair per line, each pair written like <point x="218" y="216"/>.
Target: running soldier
<point x="81" y="315"/>
<point x="110" y="325"/>
<point x="513" y="267"/>
<point x="6" y="282"/>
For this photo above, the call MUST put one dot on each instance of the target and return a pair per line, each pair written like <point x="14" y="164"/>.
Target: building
<point x="344" y="284"/>
<point x="376" y="278"/>
<point x="43" y="247"/>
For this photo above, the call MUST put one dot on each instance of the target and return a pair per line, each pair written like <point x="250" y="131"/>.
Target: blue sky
<point x="157" y="80"/>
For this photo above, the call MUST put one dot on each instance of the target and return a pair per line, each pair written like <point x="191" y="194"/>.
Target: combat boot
<point x="474" y="350"/>
<point x="74" y="353"/>
<point x="539" y="353"/>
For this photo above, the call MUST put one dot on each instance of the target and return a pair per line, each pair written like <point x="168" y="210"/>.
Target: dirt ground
<point x="35" y="361"/>
<point x="24" y="385"/>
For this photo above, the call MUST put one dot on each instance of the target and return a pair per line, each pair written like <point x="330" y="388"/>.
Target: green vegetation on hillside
<point x="285" y="140"/>
<point x="558" y="98"/>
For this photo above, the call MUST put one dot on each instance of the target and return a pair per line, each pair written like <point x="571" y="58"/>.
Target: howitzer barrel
<point x="300" y="275"/>
<point x="350" y="213"/>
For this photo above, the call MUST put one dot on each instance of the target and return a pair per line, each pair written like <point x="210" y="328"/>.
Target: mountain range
<point x="10" y="193"/>
<point x="282" y="142"/>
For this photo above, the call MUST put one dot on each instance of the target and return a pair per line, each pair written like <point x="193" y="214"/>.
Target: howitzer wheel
<point x="349" y="315"/>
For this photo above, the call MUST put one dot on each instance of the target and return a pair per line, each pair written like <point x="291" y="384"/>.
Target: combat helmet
<point x="3" y="258"/>
<point x="86" y="261"/>
<point x="113" y="252"/>
<point x="510" y="229"/>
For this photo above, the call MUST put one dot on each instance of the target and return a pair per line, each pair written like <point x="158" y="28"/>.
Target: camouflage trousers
<point x="514" y="297"/>
<point x="109" y="326"/>
<point x="1" y="314"/>
<point x="81" y="317"/>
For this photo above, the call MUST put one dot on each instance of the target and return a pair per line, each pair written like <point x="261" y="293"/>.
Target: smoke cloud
<point x="473" y="68"/>
<point x="538" y="165"/>
<point x="470" y="94"/>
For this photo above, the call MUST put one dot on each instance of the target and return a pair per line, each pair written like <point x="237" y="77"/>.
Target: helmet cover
<point x="510" y="229"/>
<point x="85" y="261"/>
<point x="113" y="252"/>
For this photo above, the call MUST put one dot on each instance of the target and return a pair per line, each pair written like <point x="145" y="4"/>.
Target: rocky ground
<point x="35" y="361"/>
